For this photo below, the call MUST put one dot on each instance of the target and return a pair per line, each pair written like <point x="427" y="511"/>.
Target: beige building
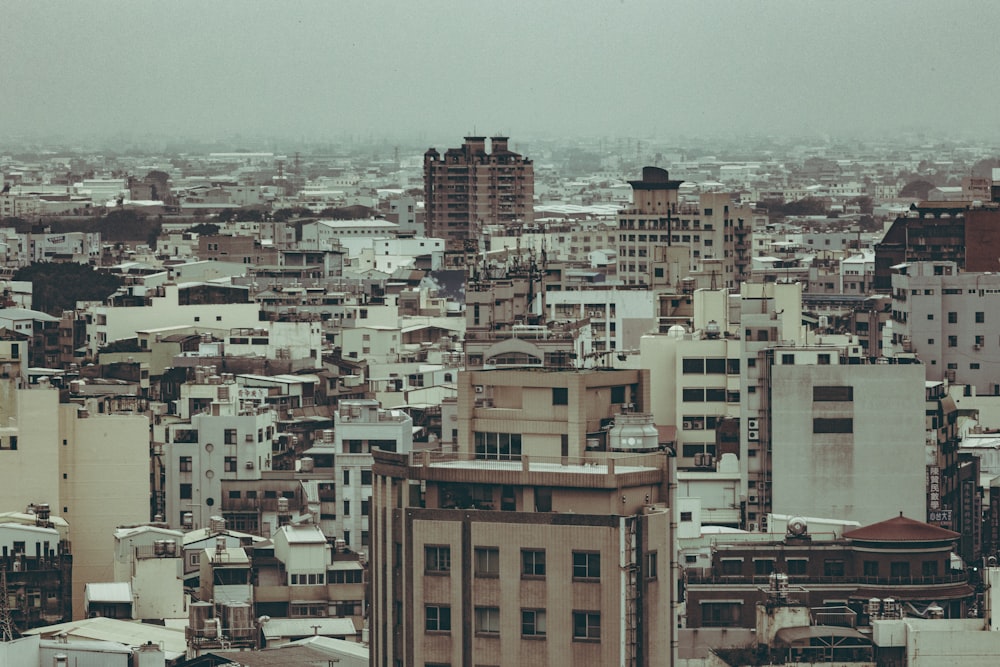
<point x="538" y="540"/>
<point x="662" y="240"/>
<point x="64" y="456"/>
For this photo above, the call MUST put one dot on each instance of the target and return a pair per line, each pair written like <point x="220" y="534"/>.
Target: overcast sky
<point x="415" y="68"/>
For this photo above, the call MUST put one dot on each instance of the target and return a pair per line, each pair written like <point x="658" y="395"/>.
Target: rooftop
<point x="901" y="529"/>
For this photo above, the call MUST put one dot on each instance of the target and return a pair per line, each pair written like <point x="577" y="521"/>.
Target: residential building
<point x="224" y="439"/>
<point x="948" y="319"/>
<point x="572" y="569"/>
<point x="468" y="188"/>
<point x="38" y="568"/>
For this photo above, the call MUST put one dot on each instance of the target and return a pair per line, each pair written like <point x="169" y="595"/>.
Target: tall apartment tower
<point x="545" y="538"/>
<point x="468" y="188"/>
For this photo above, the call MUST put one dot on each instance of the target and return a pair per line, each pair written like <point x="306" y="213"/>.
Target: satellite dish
<point x="797" y="526"/>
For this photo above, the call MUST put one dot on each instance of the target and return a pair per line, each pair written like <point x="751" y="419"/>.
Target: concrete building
<point x="149" y="560"/>
<point x="663" y="239"/>
<point x="230" y="440"/>
<point x="38" y="567"/>
<point x="199" y="304"/>
<point x="846" y="440"/>
<point x="579" y="553"/>
<point x="899" y="558"/>
<point x="61" y="455"/>
<point x="468" y="188"/>
<point x="948" y="319"/>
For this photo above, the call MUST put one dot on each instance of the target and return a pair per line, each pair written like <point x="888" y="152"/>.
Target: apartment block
<point x="948" y="319"/>
<point x="467" y="188"/>
<point x="545" y="536"/>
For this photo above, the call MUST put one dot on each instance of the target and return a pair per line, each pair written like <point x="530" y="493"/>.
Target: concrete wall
<point x="868" y="475"/>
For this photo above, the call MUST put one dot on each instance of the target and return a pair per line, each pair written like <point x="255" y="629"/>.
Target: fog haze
<point x="438" y="69"/>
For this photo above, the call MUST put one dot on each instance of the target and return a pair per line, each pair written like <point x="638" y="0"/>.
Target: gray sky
<point x="415" y="68"/>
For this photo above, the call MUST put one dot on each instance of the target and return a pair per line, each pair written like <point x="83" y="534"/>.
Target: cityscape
<point x="404" y="335"/>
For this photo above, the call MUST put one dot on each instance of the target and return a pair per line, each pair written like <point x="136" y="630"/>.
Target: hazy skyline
<point x="441" y="69"/>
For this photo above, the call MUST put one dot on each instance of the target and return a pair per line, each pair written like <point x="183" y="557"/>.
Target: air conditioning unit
<point x="753" y="435"/>
<point x="752" y="499"/>
<point x="480" y="389"/>
<point x="753" y="424"/>
<point x="977" y="346"/>
<point x="249" y="437"/>
<point x="752" y="526"/>
<point x="249" y="465"/>
<point x="687" y="426"/>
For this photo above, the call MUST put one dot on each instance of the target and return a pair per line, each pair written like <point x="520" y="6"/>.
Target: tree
<point x="916" y="190"/>
<point x="57" y="287"/>
<point x="204" y="229"/>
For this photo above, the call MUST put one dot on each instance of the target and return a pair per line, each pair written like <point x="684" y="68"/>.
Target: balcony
<point x="694" y="577"/>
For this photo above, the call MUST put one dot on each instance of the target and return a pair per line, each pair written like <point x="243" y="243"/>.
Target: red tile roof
<point x="901" y="529"/>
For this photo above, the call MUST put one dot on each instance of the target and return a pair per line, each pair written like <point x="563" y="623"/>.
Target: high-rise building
<point x="663" y="240"/>
<point x="545" y="537"/>
<point x="468" y="188"/>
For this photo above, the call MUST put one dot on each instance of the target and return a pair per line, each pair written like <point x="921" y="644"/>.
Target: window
<point x="488" y="620"/>
<point x="693" y="366"/>
<point x="763" y="566"/>
<point x="824" y="394"/>
<point x="952" y="341"/>
<point x="870" y="568"/>
<point x="184" y="464"/>
<point x="366" y="477"/>
<point x="437" y="559"/>
<point x="833" y="425"/>
<point x="686" y="516"/>
<point x="499" y="446"/>
<point x="437" y="618"/>
<point x="980" y="340"/>
<point x="533" y="622"/>
<point x="833" y="567"/>
<point x="823" y="359"/>
<point x="715" y="395"/>
<point x="185" y="492"/>
<point x="651" y="565"/>
<point x="229" y="464"/>
<point x="720" y="614"/>
<point x="929" y="568"/>
<point x="230" y="436"/>
<point x="930" y="316"/>
<point x="618" y="395"/>
<point x="487" y="561"/>
<point x="788" y="359"/>
<point x="796" y="566"/>
<point x="899" y="569"/>
<point x="365" y="507"/>
<point x="586" y="565"/>
<point x="347" y="508"/>
<point x="347" y="478"/>
<point x="533" y="562"/>
<point x="586" y="625"/>
<point x="980" y="317"/>
<point x="560" y="396"/>
<point x="952" y="317"/>
<point x="693" y="395"/>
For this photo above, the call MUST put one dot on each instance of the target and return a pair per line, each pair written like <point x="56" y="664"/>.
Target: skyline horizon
<point x="635" y="68"/>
